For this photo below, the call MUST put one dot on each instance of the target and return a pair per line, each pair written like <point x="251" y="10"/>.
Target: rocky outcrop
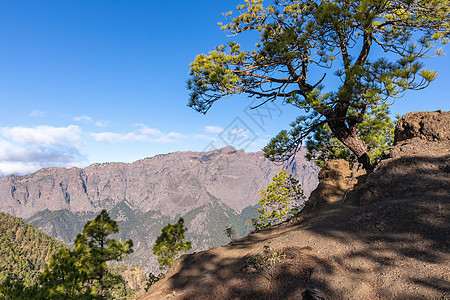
<point x="335" y="181"/>
<point x="420" y="159"/>
<point x="431" y="126"/>
<point x="419" y="163"/>
<point x="173" y="183"/>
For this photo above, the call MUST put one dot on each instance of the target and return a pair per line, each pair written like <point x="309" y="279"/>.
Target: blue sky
<point x="100" y="81"/>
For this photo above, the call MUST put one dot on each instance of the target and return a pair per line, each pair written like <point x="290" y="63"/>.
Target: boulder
<point x="432" y="126"/>
<point x="335" y="178"/>
<point x="418" y="164"/>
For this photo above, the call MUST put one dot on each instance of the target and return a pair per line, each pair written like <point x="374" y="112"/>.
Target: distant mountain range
<point x="211" y="190"/>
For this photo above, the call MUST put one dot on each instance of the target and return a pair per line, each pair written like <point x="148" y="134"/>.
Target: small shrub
<point x="152" y="279"/>
<point x="229" y="232"/>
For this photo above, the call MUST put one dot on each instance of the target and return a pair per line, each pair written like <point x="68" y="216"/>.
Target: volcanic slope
<point x="387" y="240"/>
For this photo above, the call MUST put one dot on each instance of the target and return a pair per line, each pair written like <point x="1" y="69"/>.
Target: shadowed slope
<point x="387" y="240"/>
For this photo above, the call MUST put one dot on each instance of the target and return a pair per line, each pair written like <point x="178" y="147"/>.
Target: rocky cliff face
<point x="174" y="183"/>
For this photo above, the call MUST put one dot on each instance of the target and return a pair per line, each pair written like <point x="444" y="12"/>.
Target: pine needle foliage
<point x="24" y="250"/>
<point x="377" y="131"/>
<point x="82" y="272"/>
<point x="374" y="49"/>
<point x="280" y="201"/>
<point x="230" y="232"/>
<point x="170" y="244"/>
<point x="93" y="250"/>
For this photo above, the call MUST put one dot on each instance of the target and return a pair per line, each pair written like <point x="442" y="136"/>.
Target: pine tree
<point x="64" y="278"/>
<point x="24" y="250"/>
<point x="377" y="131"/>
<point x="170" y="243"/>
<point x="230" y="232"/>
<point x="93" y="249"/>
<point x="81" y="273"/>
<point x="374" y="49"/>
<point x="280" y="201"/>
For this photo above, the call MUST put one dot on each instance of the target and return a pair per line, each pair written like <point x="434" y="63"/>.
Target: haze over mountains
<point x="211" y="190"/>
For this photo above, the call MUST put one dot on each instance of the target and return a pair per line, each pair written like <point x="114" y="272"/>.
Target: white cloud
<point x="101" y="123"/>
<point x="238" y="132"/>
<point x="10" y="152"/>
<point x="149" y="131"/>
<point x="112" y="137"/>
<point x="38" y="113"/>
<point x="18" y="168"/>
<point x="83" y="118"/>
<point x="89" y="120"/>
<point x="143" y="134"/>
<point x="43" y="134"/>
<point x="213" y="129"/>
<point x="27" y="149"/>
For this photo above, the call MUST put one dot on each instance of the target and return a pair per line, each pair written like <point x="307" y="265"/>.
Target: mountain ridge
<point x="173" y="183"/>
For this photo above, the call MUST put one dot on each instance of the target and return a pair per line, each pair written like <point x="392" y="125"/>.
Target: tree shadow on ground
<point x="388" y="240"/>
<point x="401" y="222"/>
<point x="209" y="276"/>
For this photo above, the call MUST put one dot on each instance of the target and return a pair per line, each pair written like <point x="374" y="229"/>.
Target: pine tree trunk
<point x="100" y="291"/>
<point x="350" y="138"/>
<point x="100" y="286"/>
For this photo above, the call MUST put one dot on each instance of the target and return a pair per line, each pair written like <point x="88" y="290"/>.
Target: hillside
<point x="205" y="229"/>
<point x="24" y="250"/>
<point x="211" y="190"/>
<point x="388" y="239"/>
